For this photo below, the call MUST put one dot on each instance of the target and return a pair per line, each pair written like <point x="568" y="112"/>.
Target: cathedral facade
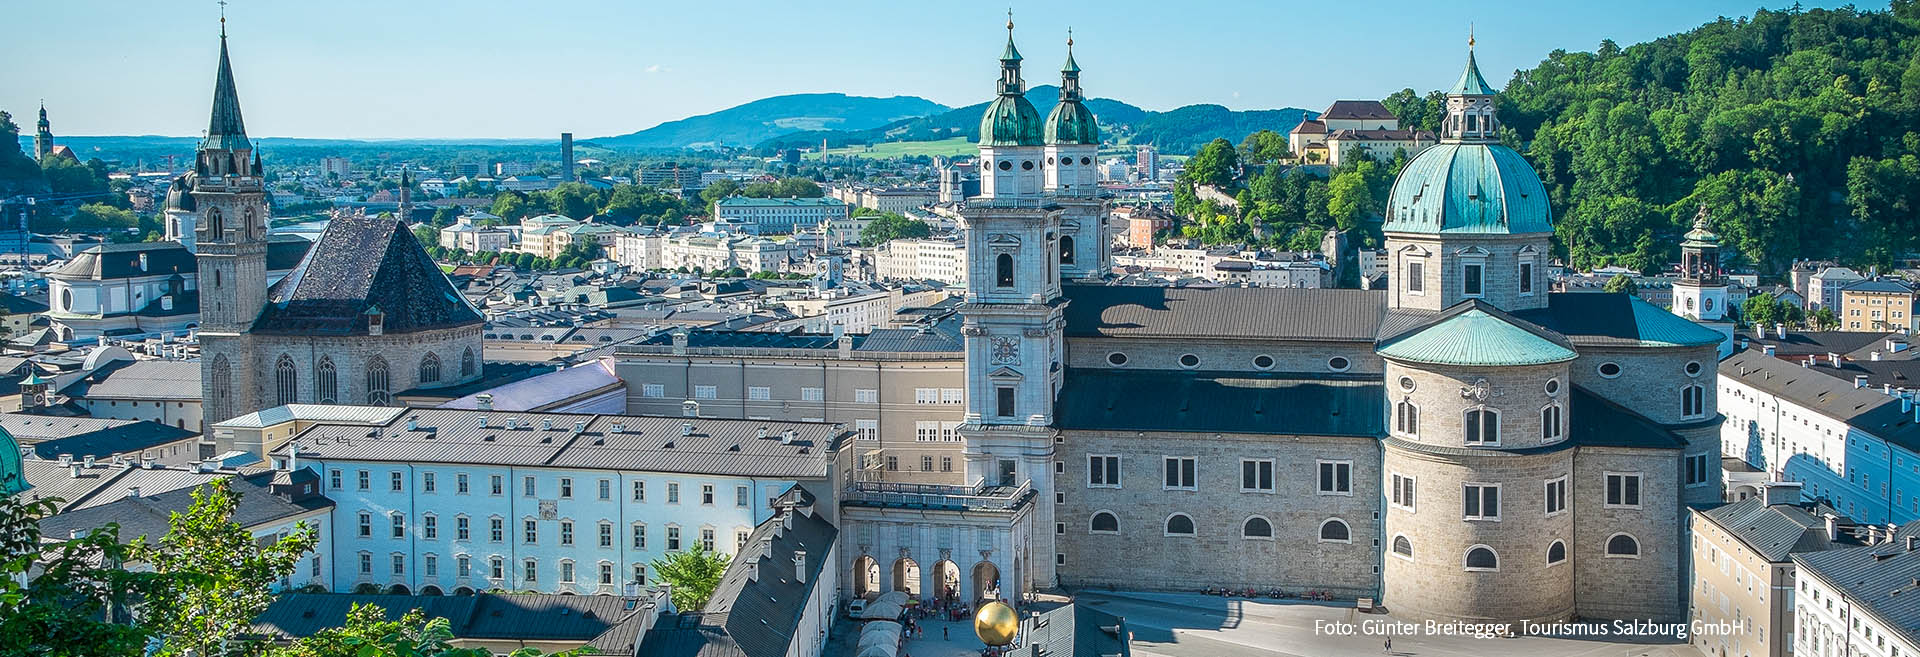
<point x="1463" y="445"/>
<point x="365" y="315"/>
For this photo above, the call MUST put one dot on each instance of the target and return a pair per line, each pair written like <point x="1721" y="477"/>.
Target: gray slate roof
<point x="115" y="261"/>
<point x="753" y="617"/>
<point x="140" y="379"/>
<point x="1778" y="531"/>
<point x="611" y="624"/>
<point x="1883" y="581"/>
<point x="1866" y="409"/>
<point x="1260" y="313"/>
<point x="1233" y="402"/>
<point x="1074" y="630"/>
<point x="645" y="443"/>
<point x="148" y="514"/>
<point x="361" y="263"/>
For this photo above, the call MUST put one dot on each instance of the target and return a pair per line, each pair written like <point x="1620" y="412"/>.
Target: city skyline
<point x="402" y="72"/>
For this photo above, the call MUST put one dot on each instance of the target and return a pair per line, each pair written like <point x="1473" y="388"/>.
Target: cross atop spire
<point x="1469" y="35"/>
<point x="1070" y="66"/>
<point x="223" y="19"/>
<point x="225" y="130"/>
<point x="1011" y="54"/>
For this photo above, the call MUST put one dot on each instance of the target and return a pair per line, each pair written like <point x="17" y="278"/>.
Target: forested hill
<point x="1798" y="130"/>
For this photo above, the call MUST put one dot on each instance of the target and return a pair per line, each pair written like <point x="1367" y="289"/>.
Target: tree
<point x="427" y="235"/>
<point x="692" y="574"/>
<point x="1217" y="164"/>
<point x="720" y="189"/>
<point x="510" y="205"/>
<point x="75" y="604"/>
<point x="1622" y="284"/>
<point x="1825" y="320"/>
<point x="573" y="200"/>
<point x="368" y="633"/>
<point x="890" y="226"/>
<point x="1265" y="147"/>
<point x="220" y="576"/>
<point x="1349" y="200"/>
<point x="1761" y="310"/>
<point x="102" y="218"/>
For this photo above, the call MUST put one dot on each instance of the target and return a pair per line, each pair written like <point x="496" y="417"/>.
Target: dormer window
<point x="376" y="321"/>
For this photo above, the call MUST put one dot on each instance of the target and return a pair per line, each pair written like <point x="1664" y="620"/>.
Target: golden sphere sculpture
<point x="996" y="624"/>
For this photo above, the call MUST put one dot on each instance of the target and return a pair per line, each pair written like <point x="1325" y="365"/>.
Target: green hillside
<point x="760" y="120"/>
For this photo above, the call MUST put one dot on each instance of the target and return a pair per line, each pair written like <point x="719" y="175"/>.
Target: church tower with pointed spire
<point x="1072" y="138"/>
<point x="43" y="138"/>
<point x="229" y="193"/>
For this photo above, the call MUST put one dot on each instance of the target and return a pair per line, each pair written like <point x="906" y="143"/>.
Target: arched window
<point x="1256" y="527"/>
<point x="1066" y="249"/>
<point x="1551" y="428"/>
<point x="222" y="385"/>
<point x="216" y="227"/>
<point x="377" y="393"/>
<point x="1335" y="530"/>
<point x="1179" y="524"/>
<point x="1623" y="545"/>
<point x="286" y="384"/>
<point x="1003" y="270"/>
<point x="1402" y="546"/>
<point x="246" y="230"/>
<point x="430" y="368"/>
<point x="1104" y="522"/>
<point x="326" y="382"/>
<point x="1693" y="401"/>
<point x="1481" y="557"/>
<point x="1406" y="418"/>
<point x="1556" y="553"/>
<point x="466" y="362"/>
<point x="1483" y="426"/>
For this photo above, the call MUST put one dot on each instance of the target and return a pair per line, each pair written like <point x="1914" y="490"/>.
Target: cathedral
<point x="1462" y="445"/>
<point x="365" y="315"/>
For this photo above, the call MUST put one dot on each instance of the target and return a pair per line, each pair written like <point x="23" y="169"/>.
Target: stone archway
<point x="946" y="579"/>
<point x="866" y="577"/>
<point x="906" y="576"/>
<point x="431" y="590"/>
<point x="398" y="589"/>
<point x="463" y="590"/>
<point x="986" y="581"/>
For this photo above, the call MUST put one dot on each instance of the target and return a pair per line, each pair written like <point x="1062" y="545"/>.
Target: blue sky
<point x="487" y="68"/>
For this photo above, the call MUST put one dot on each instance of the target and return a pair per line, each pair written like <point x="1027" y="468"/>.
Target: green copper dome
<point x="1072" y="123"/>
<point x="13" y="479"/>
<point x="1471" y="187"/>
<point x="1471" y="83"/>
<point x="1010" y="121"/>
<point x="1475" y="338"/>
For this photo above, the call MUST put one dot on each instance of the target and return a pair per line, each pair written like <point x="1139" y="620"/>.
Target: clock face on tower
<point x="1006" y="350"/>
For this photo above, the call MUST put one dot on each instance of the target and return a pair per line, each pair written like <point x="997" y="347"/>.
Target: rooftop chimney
<point x="1912" y="543"/>
<point x="546" y="424"/>
<point x="1875" y="356"/>
<point x="619" y="427"/>
<point x="786" y="437"/>
<point x="686" y="428"/>
<point x="133" y="491"/>
<point x="1859" y="380"/>
<point x="484" y="401"/>
<point x="74" y="471"/>
<point x="483" y="421"/>
<point x="1767" y="349"/>
<point x="89" y="461"/>
<point x="800" y="563"/>
<point x="1833" y="358"/>
<point x="413" y="423"/>
<point x="1833" y="527"/>
<point x="66" y="460"/>
<point x="762" y="433"/>
<point x="1782" y="492"/>
<point x="579" y="426"/>
<point x="1780" y="331"/>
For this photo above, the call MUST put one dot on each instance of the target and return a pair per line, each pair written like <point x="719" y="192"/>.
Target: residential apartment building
<point x="1857" y="602"/>
<point x="639" y="249"/>
<point x="943" y="260"/>
<point x="540" y="235"/>
<point x="900" y="391"/>
<point x="837" y="311"/>
<point x="779" y="216"/>
<point x="1879" y="304"/>
<point x="1348" y="126"/>
<point x="1743" y="568"/>
<point x="457" y="501"/>
<point x="1142" y="223"/>
<point x="726" y="251"/>
<point x="1853" y="446"/>
<point x="670" y="176"/>
<point x="467" y="236"/>
<point x="1823" y="288"/>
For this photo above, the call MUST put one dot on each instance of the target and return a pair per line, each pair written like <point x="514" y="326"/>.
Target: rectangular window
<point x="531" y="531"/>
<point x="653" y="390"/>
<point x="606" y="574"/>
<point x="1551" y="429"/>
<point x="430" y="565"/>
<point x="1256" y="476"/>
<point x="566" y="488"/>
<point x="366" y="525"/>
<point x="333" y="481"/>
<point x="673" y="493"/>
<point x="866" y="429"/>
<point x="1623" y="490"/>
<point x="893" y="463"/>
<point x="1181" y="473"/>
<point x="1526" y="278"/>
<point x="673" y="537"/>
<point x="949" y="433"/>
<point x="1004" y="407"/>
<point x="460" y="483"/>
<point x="813" y="394"/>
<point x="426" y="482"/>
<point x="1697" y="465"/>
<point x="639" y="491"/>
<point x="866" y="396"/>
<point x="497" y="484"/>
<point x="946" y="464"/>
<point x="759" y="393"/>
<point x="497" y="569"/>
<point x="496" y="530"/>
<point x="1103" y="471"/>
<point x="533" y="571"/>
<point x="462" y="529"/>
<point x="462" y="566"/>
<point x="606" y="535"/>
<point x="706" y="392"/>
<point x="1336" y="478"/>
<point x="1482" y="426"/>
<point x="527" y="486"/>
<point x="364" y="479"/>
<point x="953" y="396"/>
<point x="926" y="430"/>
<point x="606" y="489"/>
<point x="706" y="494"/>
<point x="399" y="564"/>
<point x="395" y="481"/>
<point x="1482" y="501"/>
<point x="706" y="539"/>
<point x="1556" y="496"/>
<point x="926" y="395"/>
<point x="640" y="574"/>
<point x="1416" y="277"/>
<point x="639" y="536"/>
<point x="1470" y="275"/>
<point x="429" y="528"/>
<point x="399" y="525"/>
<point x="1400" y="494"/>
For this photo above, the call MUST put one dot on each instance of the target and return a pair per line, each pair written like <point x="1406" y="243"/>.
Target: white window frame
<point x="1167" y="461"/>
<point x="813" y="394"/>
<point x="1392" y="542"/>
<point x="1639" y="548"/>
<point x="926" y="431"/>
<point x="1398" y="485"/>
<point x="1483" y="442"/>
<point x="1273" y="470"/>
<point x="953" y="395"/>
<point x="1190" y="520"/>
<point x="866" y="395"/>
<point x="1399" y="427"/>
<point x="1416" y="285"/>
<point x="706" y="392"/>
<point x="1481" y="263"/>
<point x="1701" y="408"/>
<point x="1096" y="514"/>
<point x="759" y="393"/>
<point x="1478" y="546"/>
<point x="1272" y="532"/>
<point x="1523" y="272"/>
<point x="1119" y="465"/>
<point x="1547" y="497"/>
<point x="926" y="395"/>
<point x="1686" y="466"/>
<point x="1499" y="498"/>
<point x="1558" y="426"/>
<point x="653" y="390"/>
<point x="1639" y="490"/>
<point x="1319" y="532"/>
<point x="1319" y="486"/>
<point x="1564" y="556"/>
<point x="866" y="429"/>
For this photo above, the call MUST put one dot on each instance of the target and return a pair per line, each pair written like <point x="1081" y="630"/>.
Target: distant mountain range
<point x="1180" y="130"/>
<point x="767" y="118"/>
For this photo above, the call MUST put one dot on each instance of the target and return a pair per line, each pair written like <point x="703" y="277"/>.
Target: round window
<point x="1263" y="361"/>
<point x="1189" y="360"/>
<point x="1065" y="161"/>
<point x="1339" y="363"/>
<point x="1406" y="384"/>
<point x="1609" y="370"/>
<point x="1006" y="165"/>
<point x="1693" y="368"/>
<point x="66" y="299"/>
<point x="1707" y="303"/>
<point x="1027" y="165"/>
<point x="1086" y="160"/>
<point x="1117" y="358"/>
<point x="1049" y="160"/>
<point x="1553" y="387"/>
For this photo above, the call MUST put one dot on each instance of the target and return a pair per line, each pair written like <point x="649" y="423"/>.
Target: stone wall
<point x="1444" y="394"/>
<point x="1650" y="379"/>
<point x="1646" y="586"/>
<point x="1501" y="255"/>
<point x="1290" y="356"/>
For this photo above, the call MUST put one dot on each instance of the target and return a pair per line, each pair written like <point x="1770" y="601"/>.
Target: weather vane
<point x="223" y="17"/>
<point x="1469" y="34"/>
<point x="1069" y="38"/>
<point x="1009" y="19"/>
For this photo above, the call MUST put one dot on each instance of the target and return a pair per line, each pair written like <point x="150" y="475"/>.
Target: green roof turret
<point x="1011" y="119"/>
<point x="1071" y="122"/>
